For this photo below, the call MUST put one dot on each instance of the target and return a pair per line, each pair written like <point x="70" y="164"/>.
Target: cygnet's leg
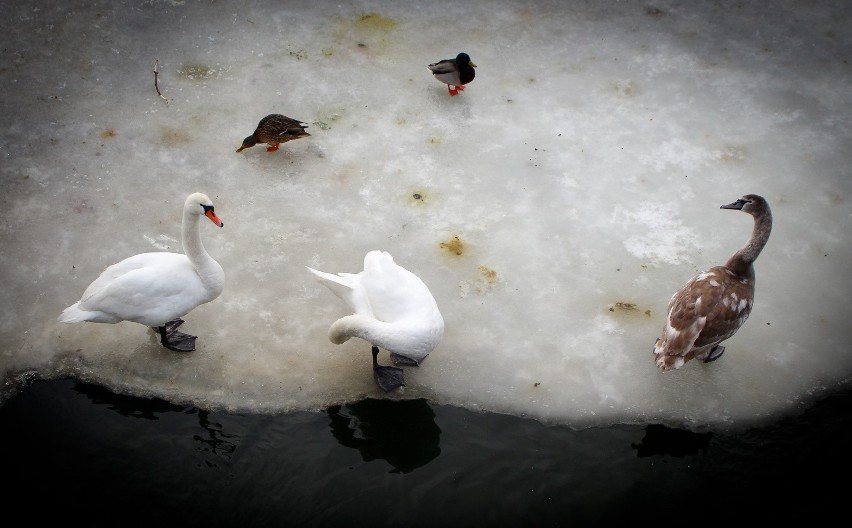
<point x="402" y="360"/>
<point x="387" y="378"/>
<point x="715" y="353"/>
<point x="174" y="340"/>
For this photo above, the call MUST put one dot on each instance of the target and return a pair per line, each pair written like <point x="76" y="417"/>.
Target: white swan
<point x="393" y="309"/>
<point x="714" y="304"/>
<point x="156" y="289"/>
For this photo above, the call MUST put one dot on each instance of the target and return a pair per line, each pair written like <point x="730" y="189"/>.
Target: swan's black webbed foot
<point x="715" y="353"/>
<point x="174" y="340"/>
<point x="172" y="325"/>
<point x="387" y="378"/>
<point x="402" y="360"/>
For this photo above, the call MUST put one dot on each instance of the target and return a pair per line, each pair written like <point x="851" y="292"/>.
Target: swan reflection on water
<point x="214" y="439"/>
<point x="403" y="433"/>
<point x="129" y="406"/>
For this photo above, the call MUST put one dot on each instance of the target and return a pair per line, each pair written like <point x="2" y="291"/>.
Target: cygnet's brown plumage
<point x="273" y="130"/>
<point x="714" y="304"/>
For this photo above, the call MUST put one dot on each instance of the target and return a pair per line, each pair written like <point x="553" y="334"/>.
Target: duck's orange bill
<point x="213" y="218"/>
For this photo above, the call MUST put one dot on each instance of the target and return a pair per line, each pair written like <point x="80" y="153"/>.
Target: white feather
<point x="392" y="308"/>
<point x="154" y="288"/>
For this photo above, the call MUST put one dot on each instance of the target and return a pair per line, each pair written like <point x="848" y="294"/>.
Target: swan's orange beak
<point x="213" y="218"/>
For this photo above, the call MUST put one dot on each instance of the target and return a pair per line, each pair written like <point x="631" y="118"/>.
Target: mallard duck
<point x="273" y="130"/>
<point x="455" y="73"/>
<point x="157" y="289"/>
<point x="393" y="309"/>
<point x="714" y="304"/>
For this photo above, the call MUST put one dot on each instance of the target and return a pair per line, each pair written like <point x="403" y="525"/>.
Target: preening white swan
<point x="712" y="306"/>
<point x="156" y="289"/>
<point x="393" y="309"/>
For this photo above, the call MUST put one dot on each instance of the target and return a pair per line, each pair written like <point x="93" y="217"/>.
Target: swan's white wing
<point x="155" y="288"/>
<point x="394" y="292"/>
<point x="393" y="308"/>
<point x="115" y="271"/>
<point x="151" y="288"/>
<point x="347" y="286"/>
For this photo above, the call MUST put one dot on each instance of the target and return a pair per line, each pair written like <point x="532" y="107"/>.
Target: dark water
<point x="77" y="453"/>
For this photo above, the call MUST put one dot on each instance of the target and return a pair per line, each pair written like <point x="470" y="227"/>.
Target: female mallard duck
<point x="393" y="309"/>
<point x="712" y="306"/>
<point x="156" y="289"/>
<point x="455" y="73"/>
<point x="273" y="130"/>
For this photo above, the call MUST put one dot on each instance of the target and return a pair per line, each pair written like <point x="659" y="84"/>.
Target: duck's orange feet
<point x="460" y="88"/>
<point x="452" y="91"/>
<point x="272" y="148"/>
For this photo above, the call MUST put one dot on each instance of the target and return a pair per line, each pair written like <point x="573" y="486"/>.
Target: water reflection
<point x="403" y="433"/>
<point x="662" y="440"/>
<point x="218" y="442"/>
<point x="130" y="406"/>
<point x="214" y="440"/>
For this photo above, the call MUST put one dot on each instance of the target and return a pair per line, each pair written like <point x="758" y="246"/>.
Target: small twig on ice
<point x="156" y="85"/>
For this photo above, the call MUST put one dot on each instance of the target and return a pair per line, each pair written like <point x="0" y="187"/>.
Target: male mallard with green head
<point x="455" y="73"/>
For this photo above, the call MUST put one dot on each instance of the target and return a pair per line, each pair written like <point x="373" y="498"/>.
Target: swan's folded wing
<point x="144" y="285"/>
<point x="728" y="308"/>
<point x="347" y="286"/>
<point x="119" y="296"/>
<point x="706" y="311"/>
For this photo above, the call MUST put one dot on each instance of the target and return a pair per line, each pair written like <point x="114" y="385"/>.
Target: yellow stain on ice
<point x="629" y="309"/>
<point x="417" y="197"/>
<point x="488" y="274"/>
<point x="375" y="22"/>
<point x="194" y="71"/>
<point x="454" y="246"/>
<point x="174" y="136"/>
<point x="369" y="32"/>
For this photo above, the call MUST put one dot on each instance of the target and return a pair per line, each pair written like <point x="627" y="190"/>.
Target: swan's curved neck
<point x="356" y="325"/>
<point x="390" y="336"/>
<point x="194" y="249"/>
<point x="741" y="262"/>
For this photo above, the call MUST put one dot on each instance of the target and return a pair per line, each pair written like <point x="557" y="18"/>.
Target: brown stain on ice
<point x="454" y="245"/>
<point x="369" y="33"/>
<point x="488" y="274"/>
<point x="174" y="136"/>
<point x="486" y="279"/>
<point x="732" y="153"/>
<point x="194" y="71"/>
<point x="629" y="309"/>
<point x="625" y="88"/>
<point x="375" y="22"/>
<point x="417" y="197"/>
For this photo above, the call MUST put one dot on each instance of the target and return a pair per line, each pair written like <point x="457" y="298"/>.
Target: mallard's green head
<point x="463" y="59"/>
